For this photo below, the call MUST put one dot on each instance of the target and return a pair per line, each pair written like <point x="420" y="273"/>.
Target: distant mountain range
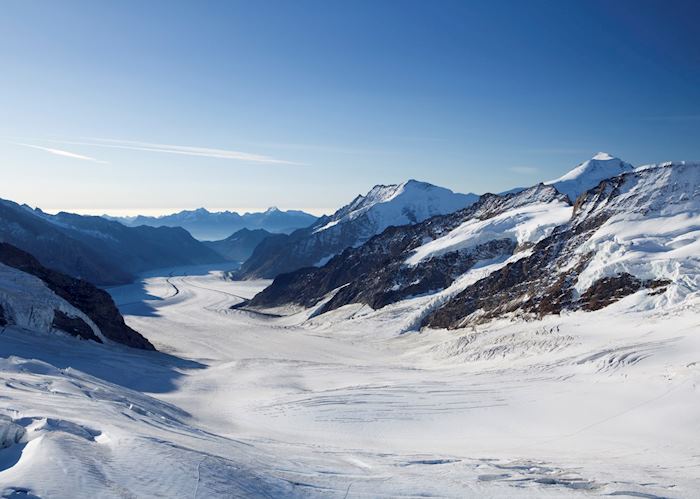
<point x="101" y="251"/>
<point x="210" y="226"/>
<point x="352" y="225"/>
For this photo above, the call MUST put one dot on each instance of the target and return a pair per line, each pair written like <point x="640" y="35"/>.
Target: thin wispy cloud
<point x="61" y="152"/>
<point x="524" y="170"/>
<point x="206" y="152"/>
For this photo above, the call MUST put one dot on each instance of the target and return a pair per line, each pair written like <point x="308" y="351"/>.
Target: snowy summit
<point x="400" y="204"/>
<point x="589" y="174"/>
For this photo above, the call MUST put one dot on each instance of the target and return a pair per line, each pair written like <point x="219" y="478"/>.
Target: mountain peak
<point x="589" y="174"/>
<point x="416" y="183"/>
<point x="603" y="156"/>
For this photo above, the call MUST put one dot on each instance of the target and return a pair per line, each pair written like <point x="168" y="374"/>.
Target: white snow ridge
<point x="552" y="350"/>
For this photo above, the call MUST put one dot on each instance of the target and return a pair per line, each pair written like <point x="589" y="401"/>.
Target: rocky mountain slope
<point x="426" y="257"/>
<point x="40" y="299"/>
<point x="239" y="245"/>
<point x="212" y="226"/>
<point x="352" y="225"/>
<point x="101" y="251"/>
<point x="633" y="232"/>
<point x="638" y="231"/>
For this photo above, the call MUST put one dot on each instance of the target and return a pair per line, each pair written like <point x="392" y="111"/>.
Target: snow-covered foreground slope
<point x="341" y="405"/>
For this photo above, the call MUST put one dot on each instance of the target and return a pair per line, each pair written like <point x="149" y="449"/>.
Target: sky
<point x="152" y="107"/>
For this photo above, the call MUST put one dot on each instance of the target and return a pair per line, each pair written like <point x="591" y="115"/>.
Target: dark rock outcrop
<point x="529" y="285"/>
<point x="74" y="326"/>
<point x="607" y="290"/>
<point x="92" y="301"/>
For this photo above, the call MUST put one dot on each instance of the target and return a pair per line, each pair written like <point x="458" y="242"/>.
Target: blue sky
<point x="156" y="106"/>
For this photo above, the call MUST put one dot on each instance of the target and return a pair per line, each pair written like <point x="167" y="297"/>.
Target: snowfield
<point x="349" y="404"/>
<point x="524" y="224"/>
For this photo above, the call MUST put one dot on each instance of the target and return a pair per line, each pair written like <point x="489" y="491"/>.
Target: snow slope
<point x="588" y="174"/>
<point x="654" y="232"/>
<point x="525" y="225"/>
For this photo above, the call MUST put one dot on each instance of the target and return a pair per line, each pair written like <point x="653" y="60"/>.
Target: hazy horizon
<point x="117" y="212"/>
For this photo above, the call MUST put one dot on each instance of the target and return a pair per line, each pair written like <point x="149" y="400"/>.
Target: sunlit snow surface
<point x="524" y="224"/>
<point x="343" y="405"/>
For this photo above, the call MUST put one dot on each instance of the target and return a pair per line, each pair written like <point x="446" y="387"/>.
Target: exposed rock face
<point x="528" y="285"/>
<point x="394" y="281"/>
<point x="92" y="301"/>
<point x="608" y="290"/>
<point x="3" y="319"/>
<point x="74" y="326"/>
<point x="351" y="226"/>
<point x="377" y="272"/>
<point x="545" y="282"/>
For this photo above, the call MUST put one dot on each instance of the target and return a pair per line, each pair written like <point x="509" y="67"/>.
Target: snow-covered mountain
<point x="211" y="226"/>
<point x="634" y="232"/>
<point x="352" y="225"/>
<point x="42" y="300"/>
<point x="637" y="232"/>
<point x="589" y="174"/>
